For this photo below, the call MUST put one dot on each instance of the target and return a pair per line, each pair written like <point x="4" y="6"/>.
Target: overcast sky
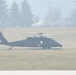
<point x="40" y="7"/>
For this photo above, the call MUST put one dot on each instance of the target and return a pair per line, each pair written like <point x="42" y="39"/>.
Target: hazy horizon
<point x="40" y="7"/>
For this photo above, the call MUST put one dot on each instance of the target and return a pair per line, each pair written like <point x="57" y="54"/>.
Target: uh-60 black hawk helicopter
<point x="36" y="41"/>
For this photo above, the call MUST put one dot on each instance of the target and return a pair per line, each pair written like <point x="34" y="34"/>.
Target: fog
<point x="41" y="8"/>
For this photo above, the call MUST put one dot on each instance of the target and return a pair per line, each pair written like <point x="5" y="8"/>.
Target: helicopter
<point x="35" y="41"/>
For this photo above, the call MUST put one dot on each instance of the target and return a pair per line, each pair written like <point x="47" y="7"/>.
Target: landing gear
<point x="10" y="48"/>
<point x="44" y="47"/>
<point x="60" y="46"/>
<point x="49" y="47"/>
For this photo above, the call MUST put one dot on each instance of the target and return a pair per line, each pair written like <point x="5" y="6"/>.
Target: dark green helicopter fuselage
<point x="41" y="41"/>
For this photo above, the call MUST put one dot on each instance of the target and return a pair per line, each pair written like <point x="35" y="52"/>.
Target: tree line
<point x="22" y="16"/>
<point x="54" y="18"/>
<point x="16" y="16"/>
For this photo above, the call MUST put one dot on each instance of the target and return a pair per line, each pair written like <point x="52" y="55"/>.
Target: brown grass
<point x="36" y="58"/>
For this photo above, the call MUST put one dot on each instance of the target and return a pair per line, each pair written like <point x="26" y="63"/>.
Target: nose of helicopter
<point x="59" y="45"/>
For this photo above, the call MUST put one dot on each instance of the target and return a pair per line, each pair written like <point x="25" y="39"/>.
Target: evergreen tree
<point x="14" y="14"/>
<point x="3" y="12"/>
<point x="26" y="14"/>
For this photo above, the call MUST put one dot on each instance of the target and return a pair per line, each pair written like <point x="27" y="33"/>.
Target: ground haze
<point x="37" y="58"/>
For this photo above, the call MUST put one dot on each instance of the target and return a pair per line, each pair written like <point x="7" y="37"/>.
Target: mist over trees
<point x="21" y="16"/>
<point x="26" y="14"/>
<point x="16" y="16"/>
<point x="52" y="17"/>
<point x="3" y="13"/>
<point x="71" y="20"/>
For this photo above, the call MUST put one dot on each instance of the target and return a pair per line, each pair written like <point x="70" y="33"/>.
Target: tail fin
<point x="2" y="39"/>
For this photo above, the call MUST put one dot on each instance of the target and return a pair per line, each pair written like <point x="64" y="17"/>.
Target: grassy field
<point x="37" y="58"/>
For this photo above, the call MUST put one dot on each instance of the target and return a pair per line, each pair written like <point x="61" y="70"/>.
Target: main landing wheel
<point x="49" y="47"/>
<point x="44" y="47"/>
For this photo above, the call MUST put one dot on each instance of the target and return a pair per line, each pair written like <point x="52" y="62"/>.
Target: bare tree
<point x="72" y="19"/>
<point x="52" y="17"/>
